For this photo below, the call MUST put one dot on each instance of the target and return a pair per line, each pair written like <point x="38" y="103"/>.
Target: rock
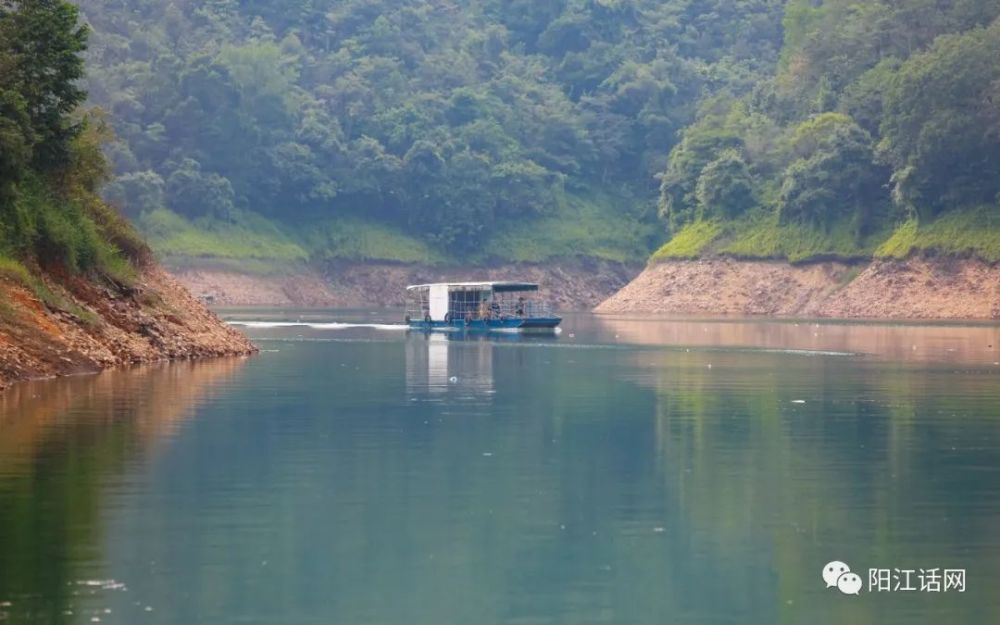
<point x="907" y="289"/>
<point x="38" y="342"/>
<point x="566" y="284"/>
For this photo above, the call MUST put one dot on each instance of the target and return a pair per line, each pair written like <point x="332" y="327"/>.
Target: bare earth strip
<point x="95" y="327"/>
<point x="569" y="285"/>
<point x="919" y="288"/>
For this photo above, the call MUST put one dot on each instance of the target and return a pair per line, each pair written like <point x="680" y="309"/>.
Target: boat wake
<point x="331" y="325"/>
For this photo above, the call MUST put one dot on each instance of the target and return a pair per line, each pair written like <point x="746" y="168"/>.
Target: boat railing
<point x="497" y="308"/>
<point x="513" y="309"/>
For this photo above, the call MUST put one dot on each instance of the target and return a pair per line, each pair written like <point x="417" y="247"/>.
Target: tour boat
<point x="477" y="306"/>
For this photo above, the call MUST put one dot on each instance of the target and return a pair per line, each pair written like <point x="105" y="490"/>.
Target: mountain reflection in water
<point x="628" y="470"/>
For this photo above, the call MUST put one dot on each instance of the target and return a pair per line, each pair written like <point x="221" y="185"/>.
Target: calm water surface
<point x="630" y="470"/>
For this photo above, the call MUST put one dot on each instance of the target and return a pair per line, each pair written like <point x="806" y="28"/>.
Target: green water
<point x="625" y="471"/>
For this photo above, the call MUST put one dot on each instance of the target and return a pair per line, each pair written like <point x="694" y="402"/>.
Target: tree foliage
<point x="51" y="160"/>
<point x="43" y="42"/>
<point x="725" y="187"/>
<point x="835" y="177"/>
<point x="941" y="126"/>
<point x="443" y="117"/>
<point x="868" y="97"/>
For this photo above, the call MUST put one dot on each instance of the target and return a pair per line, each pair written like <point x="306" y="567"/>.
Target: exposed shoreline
<point x="943" y="288"/>
<point x="921" y="288"/>
<point x="155" y="320"/>
<point x="573" y="284"/>
<point x="161" y="320"/>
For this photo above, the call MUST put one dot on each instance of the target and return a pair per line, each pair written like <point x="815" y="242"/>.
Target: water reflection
<point x="366" y="476"/>
<point x="62" y="444"/>
<point x="437" y="362"/>
<point x="899" y="342"/>
<point x="789" y="461"/>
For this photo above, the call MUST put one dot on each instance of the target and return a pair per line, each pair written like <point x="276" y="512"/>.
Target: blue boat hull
<point x="487" y="325"/>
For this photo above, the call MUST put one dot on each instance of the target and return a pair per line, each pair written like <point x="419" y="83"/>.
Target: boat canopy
<point x="496" y="287"/>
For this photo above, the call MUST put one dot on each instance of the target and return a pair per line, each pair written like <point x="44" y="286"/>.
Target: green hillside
<point x="428" y="128"/>
<point x="51" y="166"/>
<point x="878" y="135"/>
<point x="436" y="130"/>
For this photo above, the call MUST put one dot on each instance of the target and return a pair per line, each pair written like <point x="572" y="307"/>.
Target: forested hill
<point x="51" y="165"/>
<point x="410" y="128"/>
<point x="878" y="135"/>
<point x="521" y="129"/>
<point x="78" y="289"/>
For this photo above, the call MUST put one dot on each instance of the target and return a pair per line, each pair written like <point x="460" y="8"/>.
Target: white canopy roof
<point x="498" y="286"/>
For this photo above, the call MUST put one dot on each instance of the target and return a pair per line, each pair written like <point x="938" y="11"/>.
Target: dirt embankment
<point x="570" y="284"/>
<point x="91" y="327"/>
<point x="918" y="288"/>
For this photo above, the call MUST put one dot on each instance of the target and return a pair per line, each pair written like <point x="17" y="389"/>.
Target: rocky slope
<point x="568" y="285"/>
<point x="87" y="326"/>
<point x="917" y="288"/>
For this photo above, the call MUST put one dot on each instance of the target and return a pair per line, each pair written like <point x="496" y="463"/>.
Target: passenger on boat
<point x="520" y="307"/>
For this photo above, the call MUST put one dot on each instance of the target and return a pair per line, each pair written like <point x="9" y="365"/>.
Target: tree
<point x="700" y="145"/>
<point x="836" y="179"/>
<point x="321" y="109"/>
<point x="15" y="142"/>
<point x="725" y="187"/>
<point x="941" y="126"/>
<point x="43" y="42"/>
<point x="190" y="191"/>
<point x="137" y="192"/>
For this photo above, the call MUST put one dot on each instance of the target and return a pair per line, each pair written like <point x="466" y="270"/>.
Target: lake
<point x="628" y="470"/>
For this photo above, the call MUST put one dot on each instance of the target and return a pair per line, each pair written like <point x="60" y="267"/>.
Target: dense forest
<point x="432" y="130"/>
<point x="51" y="160"/>
<point x="456" y="122"/>
<point x="878" y="134"/>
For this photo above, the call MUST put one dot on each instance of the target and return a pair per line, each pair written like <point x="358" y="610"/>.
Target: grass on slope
<point x="253" y="237"/>
<point x="71" y="229"/>
<point x="689" y="242"/>
<point x="355" y="239"/>
<point x="767" y="238"/>
<point x="588" y="226"/>
<point x="252" y="243"/>
<point x="15" y="272"/>
<point x="764" y="237"/>
<point x="968" y="232"/>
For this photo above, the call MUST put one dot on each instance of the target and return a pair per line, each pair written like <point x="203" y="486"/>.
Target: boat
<point x="485" y="306"/>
